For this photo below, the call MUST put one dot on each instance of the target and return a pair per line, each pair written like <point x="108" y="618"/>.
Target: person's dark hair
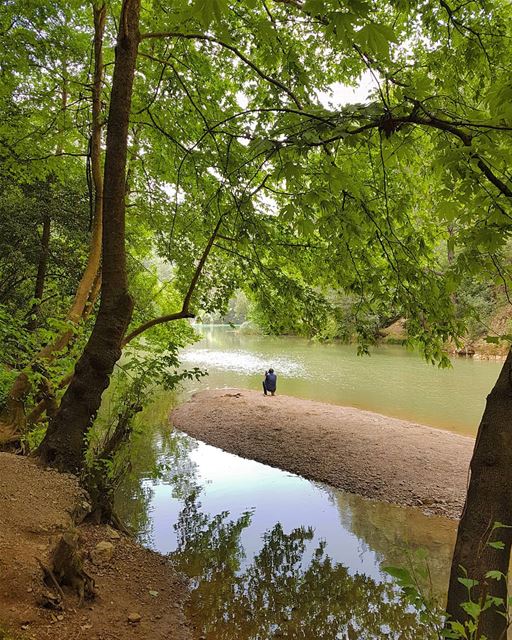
<point x="271" y="370"/>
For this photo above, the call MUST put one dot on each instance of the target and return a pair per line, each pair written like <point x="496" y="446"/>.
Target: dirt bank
<point x="357" y="451"/>
<point x="36" y="507"/>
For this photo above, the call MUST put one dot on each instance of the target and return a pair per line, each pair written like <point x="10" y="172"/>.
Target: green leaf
<point x="458" y="628"/>
<point x="403" y="575"/>
<point x="376" y="38"/>
<point x="495" y="575"/>
<point x="500" y="525"/>
<point x="205" y="11"/>
<point x="493" y="601"/>
<point x="315" y="6"/>
<point x="341" y="24"/>
<point x="360" y="7"/>
<point x="469" y="583"/>
<point x="473" y="609"/>
<point x="496" y="545"/>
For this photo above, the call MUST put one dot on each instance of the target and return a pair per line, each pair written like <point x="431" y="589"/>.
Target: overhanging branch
<point x="230" y="47"/>
<point x="185" y="308"/>
<point x="419" y="116"/>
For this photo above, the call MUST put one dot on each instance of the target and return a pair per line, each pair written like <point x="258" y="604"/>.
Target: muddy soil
<point x="139" y="595"/>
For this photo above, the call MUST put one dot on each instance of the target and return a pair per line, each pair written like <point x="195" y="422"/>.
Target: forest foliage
<point x="233" y="164"/>
<point x="334" y="218"/>
<point x="363" y="201"/>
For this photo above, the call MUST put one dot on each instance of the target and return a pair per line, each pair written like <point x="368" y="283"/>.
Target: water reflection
<point x="396" y="533"/>
<point x="272" y="555"/>
<point x="157" y="455"/>
<point x="279" y="595"/>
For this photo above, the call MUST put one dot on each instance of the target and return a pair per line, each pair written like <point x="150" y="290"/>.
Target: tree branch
<point x="185" y="308"/>
<point x="233" y="49"/>
<point x="461" y="27"/>
<point x="390" y="124"/>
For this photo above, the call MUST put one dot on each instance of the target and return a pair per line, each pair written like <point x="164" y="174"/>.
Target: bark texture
<point x="63" y="445"/>
<point x="488" y="501"/>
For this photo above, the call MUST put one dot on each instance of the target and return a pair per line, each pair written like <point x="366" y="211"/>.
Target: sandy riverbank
<point x="356" y="451"/>
<point x="139" y="595"/>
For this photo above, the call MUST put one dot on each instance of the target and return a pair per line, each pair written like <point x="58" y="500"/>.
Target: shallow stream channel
<point x="270" y="554"/>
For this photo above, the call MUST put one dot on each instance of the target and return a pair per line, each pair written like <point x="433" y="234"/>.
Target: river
<point x="392" y="380"/>
<point x="270" y="554"/>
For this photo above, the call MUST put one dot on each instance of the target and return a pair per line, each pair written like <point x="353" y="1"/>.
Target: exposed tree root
<point x="118" y="524"/>
<point x="67" y="568"/>
<point x="9" y="435"/>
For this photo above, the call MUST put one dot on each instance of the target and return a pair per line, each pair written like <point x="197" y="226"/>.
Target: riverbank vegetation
<point x="155" y="160"/>
<point x="484" y="305"/>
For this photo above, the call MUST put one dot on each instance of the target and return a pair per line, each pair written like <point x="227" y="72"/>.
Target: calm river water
<point x="392" y="381"/>
<point x="270" y="554"/>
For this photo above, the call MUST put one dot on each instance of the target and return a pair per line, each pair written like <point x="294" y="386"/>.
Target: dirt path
<point x="357" y="451"/>
<point x="36" y="506"/>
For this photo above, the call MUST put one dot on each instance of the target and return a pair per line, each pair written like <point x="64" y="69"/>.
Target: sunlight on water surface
<point x="392" y="381"/>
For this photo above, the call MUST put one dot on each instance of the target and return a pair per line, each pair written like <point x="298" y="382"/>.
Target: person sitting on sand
<point x="270" y="382"/>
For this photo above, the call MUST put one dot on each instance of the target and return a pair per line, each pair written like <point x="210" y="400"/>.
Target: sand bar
<point x="357" y="451"/>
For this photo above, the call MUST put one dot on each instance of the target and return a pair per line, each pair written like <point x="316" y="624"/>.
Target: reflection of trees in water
<point x="278" y="596"/>
<point x="156" y="453"/>
<point x="394" y="532"/>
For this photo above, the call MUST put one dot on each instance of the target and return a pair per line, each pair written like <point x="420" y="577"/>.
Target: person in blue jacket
<point x="270" y="382"/>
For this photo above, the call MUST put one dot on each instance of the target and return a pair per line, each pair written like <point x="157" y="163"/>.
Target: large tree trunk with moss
<point x="63" y="445"/>
<point x="12" y="418"/>
<point x="488" y="502"/>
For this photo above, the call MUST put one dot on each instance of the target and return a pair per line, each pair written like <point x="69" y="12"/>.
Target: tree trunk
<point x="41" y="274"/>
<point x="10" y="425"/>
<point x="488" y="501"/>
<point x="64" y="443"/>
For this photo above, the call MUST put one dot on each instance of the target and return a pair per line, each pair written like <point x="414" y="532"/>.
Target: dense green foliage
<point x="333" y="216"/>
<point x="354" y="203"/>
